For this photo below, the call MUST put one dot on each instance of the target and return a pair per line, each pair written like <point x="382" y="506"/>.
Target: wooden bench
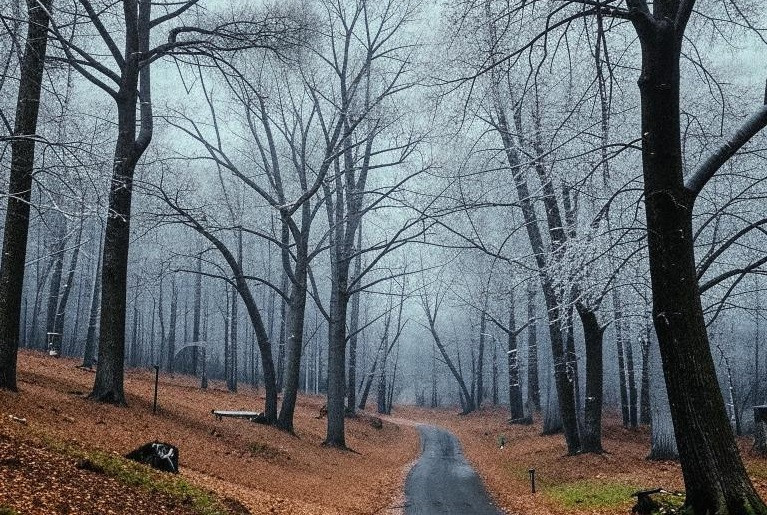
<point x="253" y="416"/>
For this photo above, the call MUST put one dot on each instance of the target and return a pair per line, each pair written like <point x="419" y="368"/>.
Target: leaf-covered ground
<point x="264" y="470"/>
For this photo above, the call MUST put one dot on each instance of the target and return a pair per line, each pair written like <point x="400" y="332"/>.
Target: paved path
<point x="442" y="482"/>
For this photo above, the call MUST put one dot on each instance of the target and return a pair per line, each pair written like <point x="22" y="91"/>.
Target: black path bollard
<point x="532" y="480"/>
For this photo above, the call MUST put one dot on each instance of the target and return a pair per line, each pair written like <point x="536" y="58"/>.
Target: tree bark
<point x="108" y="384"/>
<point x="644" y="399"/>
<point x="90" y="337"/>
<point x="354" y="324"/>
<point x="618" y="322"/>
<point x="19" y="189"/>
<point x="172" y="323"/>
<point x="516" y="407"/>
<point x="57" y="248"/>
<point x="715" y="478"/>
<point x="61" y="308"/>
<point x="533" y="383"/>
<point x="592" y="332"/>
<point x="479" y="397"/>
<point x="295" y="326"/>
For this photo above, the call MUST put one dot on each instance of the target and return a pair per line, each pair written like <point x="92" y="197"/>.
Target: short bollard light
<point x="532" y="480"/>
<point x="501" y="441"/>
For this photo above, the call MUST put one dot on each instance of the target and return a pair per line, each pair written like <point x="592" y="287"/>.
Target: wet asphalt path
<point x="442" y="481"/>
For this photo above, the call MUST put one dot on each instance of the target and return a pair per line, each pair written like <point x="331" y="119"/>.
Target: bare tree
<point x="20" y="187"/>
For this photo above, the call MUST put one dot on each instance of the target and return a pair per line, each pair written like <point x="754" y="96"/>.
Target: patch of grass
<point x="669" y="503"/>
<point x="7" y="510"/>
<point x="592" y="493"/>
<point x="141" y="476"/>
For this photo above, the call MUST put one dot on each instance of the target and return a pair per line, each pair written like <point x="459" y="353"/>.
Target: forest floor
<point x="585" y="484"/>
<point x="65" y="456"/>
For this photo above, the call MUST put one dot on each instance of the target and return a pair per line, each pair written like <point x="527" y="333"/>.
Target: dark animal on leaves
<point x="159" y="455"/>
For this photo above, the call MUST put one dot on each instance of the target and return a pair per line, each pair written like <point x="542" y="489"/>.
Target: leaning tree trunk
<point x="715" y="478"/>
<point x="61" y="308"/>
<point x="592" y="427"/>
<point x="19" y="189"/>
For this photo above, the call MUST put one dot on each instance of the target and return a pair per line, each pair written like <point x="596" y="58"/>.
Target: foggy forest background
<point x="394" y="201"/>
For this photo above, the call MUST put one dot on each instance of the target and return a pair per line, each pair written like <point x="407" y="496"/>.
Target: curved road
<point x="442" y="482"/>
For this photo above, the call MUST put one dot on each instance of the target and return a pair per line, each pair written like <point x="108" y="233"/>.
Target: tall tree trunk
<point x="234" y="345"/>
<point x="19" y="189"/>
<point x="172" y="323"/>
<point x="481" y="363"/>
<point x="90" y="337"/>
<point x="134" y="83"/>
<point x="631" y="379"/>
<point x="592" y="332"/>
<point x="516" y="407"/>
<point x="337" y="356"/>
<point x="53" y="339"/>
<point x="161" y="320"/>
<point x="63" y="300"/>
<point x="618" y="322"/>
<point x="295" y="327"/>
<point x="715" y="478"/>
<point x="644" y="403"/>
<point x="494" y="371"/>
<point x="133" y="354"/>
<point x="284" y="285"/>
<point x="381" y="392"/>
<point x="196" y="318"/>
<point x="354" y="324"/>
<point x="533" y="383"/>
<point x="564" y="384"/>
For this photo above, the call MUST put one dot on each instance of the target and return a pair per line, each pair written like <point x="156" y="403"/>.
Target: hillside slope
<point x="264" y="469"/>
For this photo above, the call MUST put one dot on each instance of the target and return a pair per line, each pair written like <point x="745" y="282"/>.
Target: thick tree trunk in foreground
<point x="592" y="332"/>
<point x="715" y="478"/>
<point x="108" y="385"/>
<point x="19" y="189"/>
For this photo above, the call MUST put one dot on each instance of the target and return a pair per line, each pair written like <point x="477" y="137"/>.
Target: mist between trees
<point x="553" y="206"/>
